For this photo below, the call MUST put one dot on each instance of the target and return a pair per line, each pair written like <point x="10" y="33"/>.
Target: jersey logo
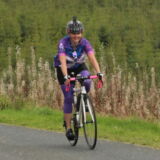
<point x="74" y="54"/>
<point x="61" y="46"/>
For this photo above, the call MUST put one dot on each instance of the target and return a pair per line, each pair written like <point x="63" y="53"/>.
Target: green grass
<point x="42" y="118"/>
<point x="130" y="130"/>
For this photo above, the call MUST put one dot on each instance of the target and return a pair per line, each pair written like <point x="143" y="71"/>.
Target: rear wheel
<point x="75" y="129"/>
<point x="89" y="122"/>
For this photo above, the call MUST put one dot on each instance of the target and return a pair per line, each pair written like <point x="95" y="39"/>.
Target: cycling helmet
<point x="74" y="26"/>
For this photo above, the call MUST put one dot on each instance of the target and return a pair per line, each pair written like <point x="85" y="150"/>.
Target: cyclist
<point x="72" y="50"/>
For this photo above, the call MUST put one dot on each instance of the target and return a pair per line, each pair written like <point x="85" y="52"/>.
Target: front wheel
<point x="89" y="122"/>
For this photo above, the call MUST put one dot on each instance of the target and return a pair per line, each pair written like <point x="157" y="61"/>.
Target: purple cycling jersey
<point x="74" y="57"/>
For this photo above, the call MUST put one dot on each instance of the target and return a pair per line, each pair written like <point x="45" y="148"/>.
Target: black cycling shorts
<point x="76" y="71"/>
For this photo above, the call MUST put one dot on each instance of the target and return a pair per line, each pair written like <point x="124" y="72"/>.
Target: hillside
<point x="128" y="29"/>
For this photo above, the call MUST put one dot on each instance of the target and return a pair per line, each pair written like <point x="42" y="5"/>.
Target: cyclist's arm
<point x="91" y="56"/>
<point x="94" y="62"/>
<point x="62" y="59"/>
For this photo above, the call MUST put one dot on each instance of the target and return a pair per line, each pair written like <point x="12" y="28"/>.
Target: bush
<point x="18" y="103"/>
<point x="5" y="102"/>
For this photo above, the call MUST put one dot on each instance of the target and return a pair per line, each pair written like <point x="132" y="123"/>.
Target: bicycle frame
<point x="84" y="114"/>
<point x="83" y="92"/>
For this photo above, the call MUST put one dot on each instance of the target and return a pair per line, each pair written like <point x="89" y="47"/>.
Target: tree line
<point x="128" y="30"/>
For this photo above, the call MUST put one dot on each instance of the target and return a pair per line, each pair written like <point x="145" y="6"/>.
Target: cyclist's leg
<point x="83" y="70"/>
<point x="87" y="82"/>
<point x="67" y="107"/>
<point x="68" y="97"/>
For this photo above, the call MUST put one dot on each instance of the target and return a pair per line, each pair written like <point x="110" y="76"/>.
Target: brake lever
<point x="100" y="84"/>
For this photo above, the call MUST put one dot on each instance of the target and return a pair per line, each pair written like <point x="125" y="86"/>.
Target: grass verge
<point x="131" y="130"/>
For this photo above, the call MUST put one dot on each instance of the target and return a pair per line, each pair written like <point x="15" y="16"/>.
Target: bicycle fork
<point x="89" y="109"/>
<point x="82" y="108"/>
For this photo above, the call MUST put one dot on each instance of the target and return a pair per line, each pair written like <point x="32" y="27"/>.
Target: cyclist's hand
<point x="100" y="82"/>
<point x="67" y="80"/>
<point x="100" y="76"/>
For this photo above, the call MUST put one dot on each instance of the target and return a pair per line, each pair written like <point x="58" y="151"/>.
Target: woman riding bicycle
<point x="72" y="50"/>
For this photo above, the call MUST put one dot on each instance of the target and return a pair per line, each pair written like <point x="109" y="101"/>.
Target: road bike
<point x="84" y="113"/>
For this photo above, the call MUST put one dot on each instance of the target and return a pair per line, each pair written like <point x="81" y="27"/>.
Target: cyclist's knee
<point x="67" y="108"/>
<point x="68" y="100"/>
<point x="87" y="84"/>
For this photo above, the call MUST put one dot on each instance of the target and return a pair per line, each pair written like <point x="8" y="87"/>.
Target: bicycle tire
<point x="75" y="128"/>
<point x="90" y="126"/>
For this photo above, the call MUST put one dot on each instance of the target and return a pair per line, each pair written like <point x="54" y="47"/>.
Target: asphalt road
<point x="20" y="143"/>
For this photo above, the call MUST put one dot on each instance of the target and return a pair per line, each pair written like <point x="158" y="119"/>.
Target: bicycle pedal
<point x="64" y="124"/>
<point x="89" y="122"/>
